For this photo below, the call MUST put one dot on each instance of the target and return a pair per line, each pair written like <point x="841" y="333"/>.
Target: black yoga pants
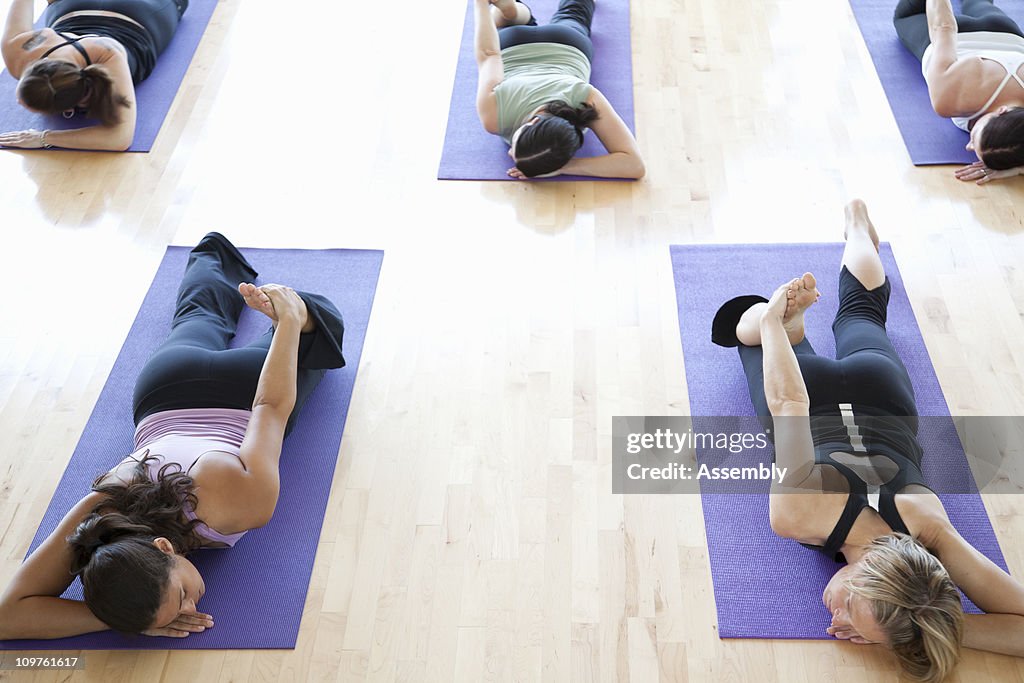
<point x="911" y="22"/>
<point x="194" y="368"/>
<point x="570" y="25"/>
<point x="866" y="369"/>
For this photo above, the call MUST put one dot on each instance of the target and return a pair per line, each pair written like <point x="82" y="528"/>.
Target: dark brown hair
<point x="1002" y="141"/>
<point x="551" y="142"/>
<point x="124" y="575"/>
<point x="54" y="86"/>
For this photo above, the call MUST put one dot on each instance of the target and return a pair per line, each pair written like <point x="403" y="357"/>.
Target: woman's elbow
<point x="7" y="620"/>
<point x="122" y="143"/>
<point x="779" y="520"/>
<point x="637" y="168"/>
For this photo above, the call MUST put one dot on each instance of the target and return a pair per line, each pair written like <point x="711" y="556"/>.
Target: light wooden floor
<point x="471" y="534"/>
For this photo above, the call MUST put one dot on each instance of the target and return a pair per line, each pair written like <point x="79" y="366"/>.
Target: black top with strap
<point x="139" y="47"/>
<point x="908" y="473"/>
<point x="73" y="42"/>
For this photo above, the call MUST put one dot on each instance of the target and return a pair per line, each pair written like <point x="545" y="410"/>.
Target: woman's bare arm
<point x="17" y="31"/>
<point x="246" y="499"/>
<point x="789" y="404"/>
<point x="490" y="70"/>
<point x="1001" y="596"/>
<point x="623" y="159"/>
<point x="30" y="606"/>
<point x="951" y="82"/>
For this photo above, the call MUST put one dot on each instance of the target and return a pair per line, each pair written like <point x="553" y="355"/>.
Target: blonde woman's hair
<point x="915" y="603"/>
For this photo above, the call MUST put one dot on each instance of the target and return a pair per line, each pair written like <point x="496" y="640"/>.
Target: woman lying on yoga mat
<point x="972" y="64"/>
<point x="210" y="422"/>
<point x="894" y="589"/>
<point x="534" y="91"/>
<point x="88" y="60"/>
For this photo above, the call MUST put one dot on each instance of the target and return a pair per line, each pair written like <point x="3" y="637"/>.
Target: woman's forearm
<point x="276" y="386"/>
<point x="486" y="43"/>
<point x="19" y="18"/>
<point x="614" y="165"/>
<point x="1002" y="633"/>
<point x="784" y="386"/>
<point x="100" y="138"/>
<point x="940" y="17"/>
<point x="47" y="617"/>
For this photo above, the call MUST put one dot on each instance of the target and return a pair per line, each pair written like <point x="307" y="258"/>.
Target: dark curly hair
<point x="123" y="573"/>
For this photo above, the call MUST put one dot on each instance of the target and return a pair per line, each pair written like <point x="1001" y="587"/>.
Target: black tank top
<point x="908" y="472"/>
<point x="139" y="46"/>
<point x="73" y="42"/>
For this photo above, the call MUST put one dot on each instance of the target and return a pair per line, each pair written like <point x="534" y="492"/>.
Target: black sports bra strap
<point x="855" y="502"/>
<point x="890" y="514"/>
<point x="73" y="42"/>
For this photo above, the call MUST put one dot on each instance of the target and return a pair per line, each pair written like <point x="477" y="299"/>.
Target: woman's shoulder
<point x="25" y="48"/>
<point x="922" y="513"/>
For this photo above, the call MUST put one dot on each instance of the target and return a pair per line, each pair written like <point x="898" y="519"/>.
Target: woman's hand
<point x="778" y="303"/>
<point x="286" y="303"/>
<point x="518" y="175"/>
<point x="185" y="624"/>
<point x="24" y="139"/>
<point x="983" y="174"/>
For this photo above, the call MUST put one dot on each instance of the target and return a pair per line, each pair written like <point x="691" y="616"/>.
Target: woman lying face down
<point x="905" y="562"/>
<point x="210" y="424"/>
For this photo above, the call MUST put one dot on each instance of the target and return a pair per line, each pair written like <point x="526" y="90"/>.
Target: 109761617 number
<point x="46" y="662"/>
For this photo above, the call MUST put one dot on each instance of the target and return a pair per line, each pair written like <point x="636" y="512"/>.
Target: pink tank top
<point x="184" y="436"/>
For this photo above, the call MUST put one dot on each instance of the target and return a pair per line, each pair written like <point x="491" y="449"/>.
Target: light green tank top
<point x="535" y="74"/>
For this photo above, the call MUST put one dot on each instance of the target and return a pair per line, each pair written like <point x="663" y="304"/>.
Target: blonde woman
<point x="904" y="559"/>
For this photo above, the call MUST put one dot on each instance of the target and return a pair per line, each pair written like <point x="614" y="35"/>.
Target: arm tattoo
<point x="33" y="42"/>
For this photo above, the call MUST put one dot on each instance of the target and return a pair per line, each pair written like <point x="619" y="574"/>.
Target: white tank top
<point x="1005" y="48"/>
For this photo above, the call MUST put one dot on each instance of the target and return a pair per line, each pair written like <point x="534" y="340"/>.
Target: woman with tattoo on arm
<point x="972" y="63"/>
<point x="534" y="91"/>
<point x="904" y="559"/>
<point x="210" y="422"/>
<point x="87" y="60"/>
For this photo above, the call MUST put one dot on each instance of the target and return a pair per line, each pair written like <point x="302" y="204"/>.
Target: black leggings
<point x="159" y="17"/>
<point x="911" y="22"/>
<point x="194" y="368"/>
<point x="570" y="25"/>
<point x="866" y="370"/>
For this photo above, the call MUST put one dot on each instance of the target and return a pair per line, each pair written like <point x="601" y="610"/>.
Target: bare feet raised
<point x="801" y="295"/>
<point x="510" y="13"/>
<point x="259" y="299"/>
<point x="256" y="299"/>
<point x="857" y="220"/>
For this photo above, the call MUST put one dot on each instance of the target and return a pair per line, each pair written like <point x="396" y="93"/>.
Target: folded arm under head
<point x="98" y="83"/>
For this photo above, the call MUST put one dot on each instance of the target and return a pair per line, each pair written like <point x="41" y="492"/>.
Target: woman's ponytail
<point x="103" y="103"/>
<point x="580" y="117"/>
<point x="96" y="531"/>
<point x="53" y="86"/>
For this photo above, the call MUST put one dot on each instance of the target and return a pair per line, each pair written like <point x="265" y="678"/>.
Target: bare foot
<point x="257" y="300"/>
<point x="512" y="12"/>
<point x="801" y="295"/>
<point x="857" y="220"/>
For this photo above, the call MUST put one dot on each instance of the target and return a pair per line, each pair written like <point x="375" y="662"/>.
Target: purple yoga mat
<point x="766" y="586"/>
<point x="930" y="139"/>
<point x="471" y="153"/>
<point x="256" y="590"/>
<point x="153" y="96"/>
